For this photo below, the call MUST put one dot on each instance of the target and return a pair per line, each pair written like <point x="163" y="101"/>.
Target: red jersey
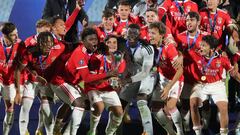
<point x="122" y="26"/>
<point x="31" y="41"/>
<point x="220" y="20"/>
<point x="102" y="33"/>
<point x="8" y="56"/>
<point x="40" y="63"/>
<point x="76" y="69"/>
<point x="176" y="14"/>
<point x="194" y="44"/>
<point x="103" y="66"/>
<point x="214" y="71"/>
<point x="165" y="57"/>
<point x="236" y="57"/>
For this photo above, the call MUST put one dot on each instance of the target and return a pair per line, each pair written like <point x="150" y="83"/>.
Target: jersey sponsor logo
<point x="188" y="8"/>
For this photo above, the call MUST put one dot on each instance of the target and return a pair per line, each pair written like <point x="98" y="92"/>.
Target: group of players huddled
<point x="157" y="55"/>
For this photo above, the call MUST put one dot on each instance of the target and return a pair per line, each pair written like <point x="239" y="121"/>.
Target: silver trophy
<point x="117" y="57"/>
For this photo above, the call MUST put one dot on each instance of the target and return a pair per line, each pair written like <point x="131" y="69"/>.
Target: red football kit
<point x="176" y="14"/>
<point x="209" y="69"/>
<point x="76" y="69"/>
<point x="100" y="65"/>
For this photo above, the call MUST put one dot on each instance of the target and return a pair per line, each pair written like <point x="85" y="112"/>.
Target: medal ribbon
<point x="8" y="56"/>
<point x="204" y="69"/>
<point x="194" y="40"/>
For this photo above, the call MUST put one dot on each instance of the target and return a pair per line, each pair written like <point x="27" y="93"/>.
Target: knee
<point x="223" y="109"/>
<point x="118" y="113"/>
<point x="98" y="108"/>
<point x="78" y="103"/>
<point x="9" y="107"/>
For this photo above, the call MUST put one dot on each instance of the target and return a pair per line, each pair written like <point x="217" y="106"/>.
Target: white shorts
<point x="174" y="92"/>
<point x="43" y="90"/>
<point x="110" y="98"/>
<point x="67" y="93"/>
<point x="146" y="86"/>
<point x="216" y="90"/>
<point x="9" y="92"/>
<point x="186" y="91"/>
<point x="29" y="90"/>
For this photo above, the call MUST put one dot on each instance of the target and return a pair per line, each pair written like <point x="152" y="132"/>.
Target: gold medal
<point x="154" y="69"/>
<point x="203" y="78"/>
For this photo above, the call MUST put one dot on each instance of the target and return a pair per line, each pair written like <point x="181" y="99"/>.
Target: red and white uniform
<point x="121" y="26"/>
<point x="103" y="86"/>
<point x="41" y="64"/>
<point x="176" y="20"/>
<point x="213" y="85"/>
<point x="166" y="71"/>
<point x="102" y="33"/>
<point x="182" y="41"/>
<point x="7" y="68"/>
<point x="222" y="21"/>
<point x="76" y="70"/>
<point x="103" y="91"/>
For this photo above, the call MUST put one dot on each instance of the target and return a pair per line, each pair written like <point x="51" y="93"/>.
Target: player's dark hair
<point x="193" y="14"/>
<point x="43" y="37"/>
<point x="134" y="26"/>
<point x="211" y="40"/>
<point x="54" y="19"/>
<point x="88" y="31"/>
<point x="108" y="13"/>
<point x="152" y="10"/>
<point x="7" y="28"/>
<point x="160" y="26"/>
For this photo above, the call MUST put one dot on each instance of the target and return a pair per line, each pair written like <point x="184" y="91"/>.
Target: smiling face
<point x="108" y="22"/>
<point x="112" y="44"/>
<point x="154" y="36"/>
<point x="151" y="17"/>
<point x="91" y="42"/>
<point x="124" y="11"/>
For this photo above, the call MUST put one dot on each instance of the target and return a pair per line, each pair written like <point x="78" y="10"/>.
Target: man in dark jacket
<point x="64" y="9"/>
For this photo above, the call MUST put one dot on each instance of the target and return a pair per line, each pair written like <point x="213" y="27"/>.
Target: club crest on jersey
<point x="218" y="64"/>
<point x="188" y="8"/>
<point x="81" y="62"/>
<point x="219" y="20"/>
